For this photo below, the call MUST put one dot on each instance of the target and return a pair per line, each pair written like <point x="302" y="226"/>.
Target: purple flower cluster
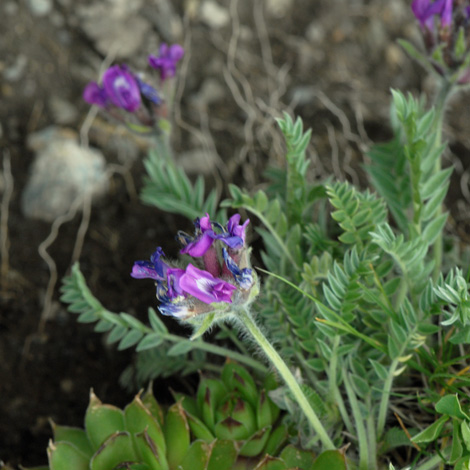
<point x="124" y="90"/>
<point x="442" y="24"/>
<point x="225" y="279"/>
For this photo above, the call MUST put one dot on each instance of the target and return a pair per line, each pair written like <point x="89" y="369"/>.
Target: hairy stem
<point x="247" y="322"/>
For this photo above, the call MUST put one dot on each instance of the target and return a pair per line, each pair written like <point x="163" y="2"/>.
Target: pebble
<point x="278" y="8"/>
<point x="214" y="15"/>
<point x="40" y="7"/>
<point x="197" y="162"/>
<point x="62" y="171"/>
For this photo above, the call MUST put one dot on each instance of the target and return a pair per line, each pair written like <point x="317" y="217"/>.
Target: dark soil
<point x="331" y="62"/>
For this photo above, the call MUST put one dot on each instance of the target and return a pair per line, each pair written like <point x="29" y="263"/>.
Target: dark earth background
<point x="332" y="62"/>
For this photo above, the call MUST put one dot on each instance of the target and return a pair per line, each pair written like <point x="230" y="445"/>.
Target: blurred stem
<point x="433" y="462"/>
<point x="383" y="409"/>
<point x="219" y="351"/>
<point x="440" y="107"/>
<point x="362" y="437"/>
<point x="247" y="322"/>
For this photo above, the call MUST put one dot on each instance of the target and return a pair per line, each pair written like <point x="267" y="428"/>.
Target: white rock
<point x="40" y="7"/>
<point x="61" y="172"/>
<point x="278" y="8"/>
<point x="197" y="162"/>
<point x="214" y="15"/>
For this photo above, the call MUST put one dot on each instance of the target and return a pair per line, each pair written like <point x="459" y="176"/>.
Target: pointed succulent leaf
<point x="177" y="436"/>
<point x="271" y="463"/>
<point x="223" y="455"/>
<point x="199" y="429"/>
<point x="72" y="435"/>
<point x="152" y="405"/>
<point x="231" y="429"/>
<point x="101" y="421"/>
<point x="148" y="452"/>
<point x="299" y="458"/>
<point x="276" y="440"/>
<point x="237" y="378"/>
<point x="189" y="404"/>
<point x="255" y="444"/>
<point x="330" y="460"/>
<point x="264" y="415"/>
<point x="240" y="411"/>
<point x="137" y="418"/>
<point x="197" y="456"/>
<point x="65" y="456"/>
<point x="116" y="449"/>
<point x="209" y="394"/>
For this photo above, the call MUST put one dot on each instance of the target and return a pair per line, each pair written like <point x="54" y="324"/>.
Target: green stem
<point x="247" y="322"/>
<point x="360" y="427"/>
<point x="433" y="462"/>
<point x="371" y="436"/>
<point x="220" y="351"/>
<point x="383" y="408"/>
<point x="274" y="233"/>
<point x="440" y="105"/>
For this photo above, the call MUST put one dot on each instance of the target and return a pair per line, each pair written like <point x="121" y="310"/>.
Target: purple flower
<point x="166" y="61"/>
<point x="155" y="269"/>
<point x="233" y="235"/>
<point x="148" y="91"/>
<point x="205" y="287"/>
<point x="446" y="14"/>
<point x="94" y="94"/>
<point x="235" y="229"/>
<point x="425" y="10"/>
<point x="189" y="292"/>
<point x="122" y="88"/>
<point x="243" y="277"/>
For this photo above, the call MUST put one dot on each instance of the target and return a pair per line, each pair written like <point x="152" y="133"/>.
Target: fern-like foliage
<point x="406" y="171"/>
<point x="357" y="213"/>
<point x="127" y="331"/>
<point x="169" y="188"/>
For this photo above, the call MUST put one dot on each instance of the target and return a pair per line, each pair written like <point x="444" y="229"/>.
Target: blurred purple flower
<point x="425" y="10"/>
<point x="122" y="88"/>
<point x="94" y="94"/>
<point x="167" y="59"/>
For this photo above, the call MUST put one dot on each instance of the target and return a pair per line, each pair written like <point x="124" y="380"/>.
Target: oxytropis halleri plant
<point x="222" y="291"/>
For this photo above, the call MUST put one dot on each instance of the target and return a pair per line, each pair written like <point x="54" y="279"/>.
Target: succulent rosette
<point x="236" y="409"/>
<point x="218" y="278"/>
<point x="143" y="436"/>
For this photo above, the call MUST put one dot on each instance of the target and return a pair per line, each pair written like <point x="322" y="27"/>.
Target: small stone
<point x="64" y="112"/>
<point x="278" y="8"/>
<point x="40" y="7"/>
<point x="15" y="71"/>
<point x="197" y="161"/>
<point x="315" y="32"/>
<point x="11" y="8"/>
<point x="394" y="56"/>
<point x="61" y="172"/>
<point x="214" y="15"/>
